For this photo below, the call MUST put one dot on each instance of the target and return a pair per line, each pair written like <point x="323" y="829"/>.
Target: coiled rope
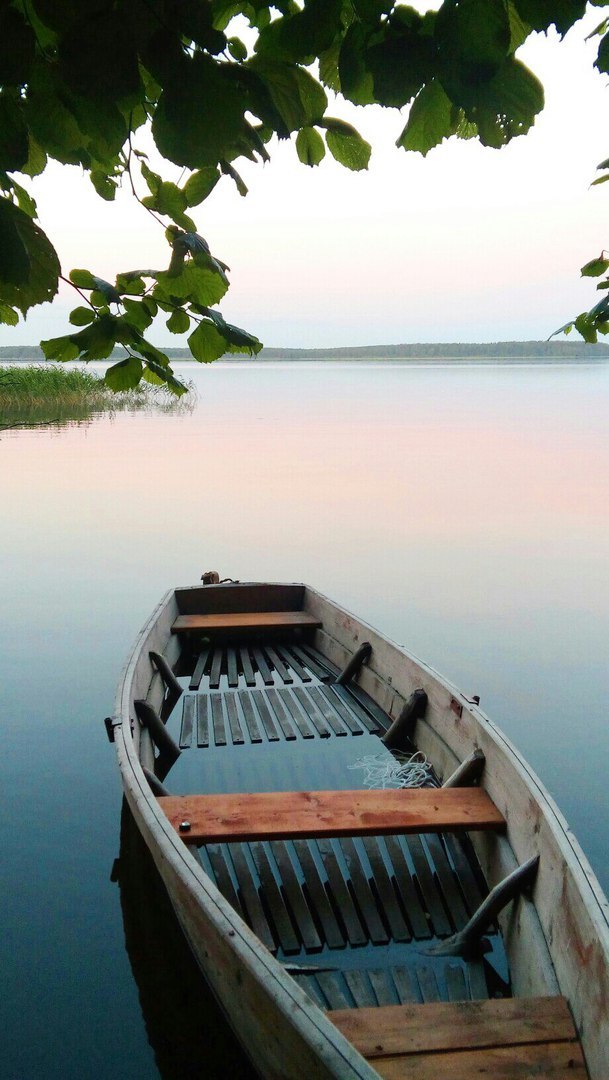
<point x="399" y="771"/>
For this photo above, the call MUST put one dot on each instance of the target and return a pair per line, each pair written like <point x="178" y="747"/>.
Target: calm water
<point x="463" y="510"/>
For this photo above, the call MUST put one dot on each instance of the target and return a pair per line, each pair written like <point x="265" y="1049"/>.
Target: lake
<point x="461" y="508"/>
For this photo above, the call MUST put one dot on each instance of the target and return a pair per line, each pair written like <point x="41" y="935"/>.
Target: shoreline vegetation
<point x="45" y="393"/>
<point x="505" y="351"/>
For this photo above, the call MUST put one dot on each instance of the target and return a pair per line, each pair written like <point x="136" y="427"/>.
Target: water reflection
<point x="185" y="1027"/>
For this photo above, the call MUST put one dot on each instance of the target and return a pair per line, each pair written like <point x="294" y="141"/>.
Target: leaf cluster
<point x="80" y="78"/>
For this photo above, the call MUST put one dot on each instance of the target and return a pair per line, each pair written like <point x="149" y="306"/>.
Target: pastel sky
<point x="468" y="244"/>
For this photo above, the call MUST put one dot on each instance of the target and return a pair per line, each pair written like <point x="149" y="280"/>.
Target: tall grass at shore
<point x="36" y="386"/>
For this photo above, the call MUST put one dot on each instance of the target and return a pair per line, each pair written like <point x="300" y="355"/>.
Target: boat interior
<point x="286" y="781"/>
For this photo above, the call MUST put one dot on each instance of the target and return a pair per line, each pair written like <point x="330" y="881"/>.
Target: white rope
<point x="399" y="771"/>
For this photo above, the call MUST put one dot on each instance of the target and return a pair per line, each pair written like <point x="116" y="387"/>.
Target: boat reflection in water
<point x="185" y="1026"/>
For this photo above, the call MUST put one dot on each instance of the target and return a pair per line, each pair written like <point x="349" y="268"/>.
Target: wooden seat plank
<point x="552" y="1061"/>
<point x="197" y="674"/>
<point x="285" y="814"/>
<point x="189" y="708"/>
<point x="202" y="720"/>
<point x="250" y="621"/>
<point x="465" y="1025"/>
<point x="317" y="893"/>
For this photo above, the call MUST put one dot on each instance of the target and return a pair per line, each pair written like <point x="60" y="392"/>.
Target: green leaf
<point x="595" y="267"/>
<point x="137" y="314"/>
<point x="125" y="375"/>
<point x="228" y="170"/>
<point x="82" y="278"/>
<point x="298" y="98"/>
<point x="600" y="180"/>
<point x="60" y="348"/>
<point x="131" y="284"/>
<point x="104" y="185"/>
<point x="16" y="47"/>
<point x="97" y="341"/>
<point x="198" y="284"/>
<point x="200" y="185"/>
<point x="237" y="49"/>
<point x="81" y="316"/>
<point x="98" y="62"/>
<point x="37" y="159"/>
<point x="540" y="14"/>
<point x="29" y="267"/>
<point x="431" y="120"/>
<point x="8" y="315"/>
<point x="348" y="147"/>
<point x="206" y="343"/>
<point x="14" y="145"/>
<point x="152" y="179"/>
<point x="356" y="79"/>
<point x="584" y="326"/>
<point x="302" y="34"/>
<point x="199" y="115"/>
<point x="178" y="322"/>
<point x="310" y="146"/>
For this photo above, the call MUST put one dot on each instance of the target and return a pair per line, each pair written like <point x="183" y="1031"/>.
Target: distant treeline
<point x="500" y="350"/>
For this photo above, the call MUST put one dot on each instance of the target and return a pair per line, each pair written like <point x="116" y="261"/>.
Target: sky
<point x="467" y="244"/>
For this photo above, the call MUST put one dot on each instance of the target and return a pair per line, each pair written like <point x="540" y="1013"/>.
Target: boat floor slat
<point x="342" y="897"/>
<point x="274" y="901"/>
<point x="447" y="881"/>
<point x="427" y="884"/>
<point x="317" y="893"/>
<point x="202" y="721"/>
<point x="199" y="670"/>
<point x="385" y="890"/>
<point x="364" y="896"/>
<point x="189" y="711"/>
<point x="296" y="897"/>
<point x="250" y="898"/>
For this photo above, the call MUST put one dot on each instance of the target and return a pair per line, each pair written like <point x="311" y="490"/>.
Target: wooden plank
<point x="246" y="664"/>
<point x="216" y="854"/>
<point x="427" y="883"/>
<point x="295" y="897"/>
<point x="189" y="709"/>
<point x="216" y="669"/>
<point x="218" y="719"/>
<point x="342" y="897"/>
<point x="455" y="983"/>
<point x="197" y="674"/>
<point x="446" y="1026"/>
<point x="458" y="847"/>
<point x="263" y="667"/>
<point x="318" y="896"/>
<point x="250" y="898"/>
<point x="317" y="670"/>
<point x="369" y="722"/>
<point x="339" y="704"/>
<point x="364" y="896"/>
<point x="405" y="886"/>
<point x="384" y="887"/>
<point x="250" y="716"/>
<point x="476" y="976"/>
<point x="296" y="713"/>
<point x="330" y="983"/>
<point x="278" y="704"/>
<point x="288" y="656"/>
<point x="552" y="1061"/>
<point x="274" y="901"/>
<point x="308" y="707"/>
<point x="382" y="986"/>
<point x="448" y="881"/>
<point x="265" y="715"/>
<point x="360" y="986"/>
<point x="428" y="984"/>
<point x="202" y="720"/>
<point x="278" y="664"/>
<point x="327" y="710"/>
<point x="236" y="732"/>
<point x="231" y="667"/>
<point x="284" y="814"/>
<point x="250" y="621"/>
<point x="407" y="992"/>
<point x="309" y="984"/>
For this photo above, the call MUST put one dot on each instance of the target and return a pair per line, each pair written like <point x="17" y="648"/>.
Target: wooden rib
<point x="231" y="667"/>
<point x="317" y="893"/>
<point x="384" y="887"/>
<point x="202" y="720"/>
<point x="363" y="893"/>
<point x="278" y="664"/>
<point x="283" y="814"/>
<point x="218" y="719"/>
<point x="310" y="710"/>
<point x="189" y="709"/>
<point x="450" y="1026"/>
<point x="448" y="881"/>
<point x="263" y="667"/>
<point x="274" y="901"/>
<point x="427" y="882"/>
<point x="250" y="716"/>
<point x="215" y="670"/>
<point x="552" y="1061"/>
<point x="330" y="983"/>
<point x="339" y="705"/>
<point x="455" y="983"/>
<point x="382" y="986"/>
<point x="236" y="732"/>
<point x="296" y="713"/>
<point x="327" y="710"/>
<point x="250" y="898"/>
<point x="246" y="664"/>
<point x="361" y="988"/>
<point x="342" y="897"/>
<point x="289" y="658"/>
<point x="197" y="674"/>
<point x="265" y="715"/>
<point x="245" y="620"/>
<point x="406" y="888"/>
<point x="295" y="897"/>
<point x="216" y="855"/>
<point x="284" y="718"/>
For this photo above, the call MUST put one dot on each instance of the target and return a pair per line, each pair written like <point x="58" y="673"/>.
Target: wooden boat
<point x="452" y="929"/>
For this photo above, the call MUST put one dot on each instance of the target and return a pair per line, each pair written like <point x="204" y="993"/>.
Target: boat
<point x="369" y="875"/>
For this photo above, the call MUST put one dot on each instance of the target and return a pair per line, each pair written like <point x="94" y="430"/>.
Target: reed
<point x="24" y="388"/>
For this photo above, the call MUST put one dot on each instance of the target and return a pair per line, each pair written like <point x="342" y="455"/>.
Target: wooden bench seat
<point x="506" y="1038"/>
<point x="282" y="815"/>
<point x="245" y="621"/>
